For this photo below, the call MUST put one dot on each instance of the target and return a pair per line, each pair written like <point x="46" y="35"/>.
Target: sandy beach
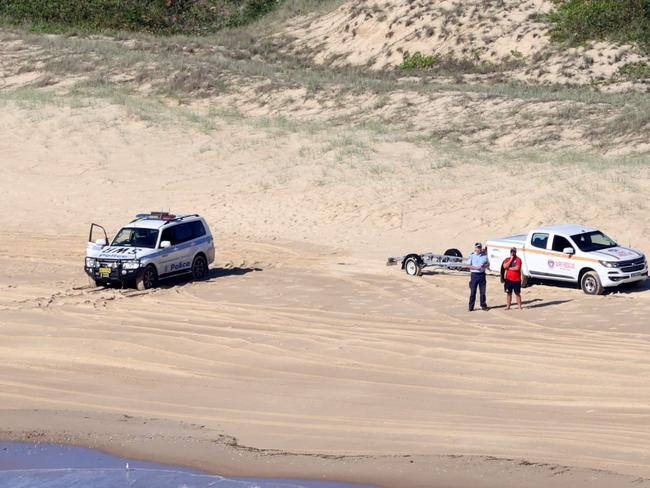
<point x="316" y="142"/>
<point x="304" y="355"/>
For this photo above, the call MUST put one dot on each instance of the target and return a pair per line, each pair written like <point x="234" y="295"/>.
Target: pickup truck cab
<point x="574" y="254"/>
<point x="151" y="247"/>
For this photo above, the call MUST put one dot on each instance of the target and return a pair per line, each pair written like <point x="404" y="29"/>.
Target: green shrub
<point x="577" y="21"/>
<point x="252" y="9"/>
<point x="635" y="71"/>
<point x="418" y="61"/>
<point x="155" y="16"/>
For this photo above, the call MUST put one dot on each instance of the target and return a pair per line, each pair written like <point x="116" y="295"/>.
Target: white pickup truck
<point x="571" y="253"/>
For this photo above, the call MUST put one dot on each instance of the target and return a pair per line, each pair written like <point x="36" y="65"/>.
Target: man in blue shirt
<point x="478" y="263"/>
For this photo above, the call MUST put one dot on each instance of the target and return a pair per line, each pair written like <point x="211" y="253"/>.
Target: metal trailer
<point x="414" y="263"/>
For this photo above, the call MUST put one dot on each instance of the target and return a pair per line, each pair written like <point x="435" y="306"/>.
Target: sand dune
<point x="511" y="34"/>
<point x="303" y="354"/>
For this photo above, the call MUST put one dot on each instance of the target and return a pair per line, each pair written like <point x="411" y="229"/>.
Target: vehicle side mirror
<point x="165" y="244"/>
<point x="100" y="242"/>
<point x="569" y="250"/>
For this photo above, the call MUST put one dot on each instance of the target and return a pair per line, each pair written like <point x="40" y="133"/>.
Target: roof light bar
<point x="156" y="216"/>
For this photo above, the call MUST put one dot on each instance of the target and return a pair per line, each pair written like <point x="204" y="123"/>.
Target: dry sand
<point x="303" y="355"/>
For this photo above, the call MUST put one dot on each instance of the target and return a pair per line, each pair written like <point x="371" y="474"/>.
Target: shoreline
<point x="189" y="446"/>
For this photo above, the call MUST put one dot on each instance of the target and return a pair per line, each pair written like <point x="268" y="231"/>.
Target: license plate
<point x="104" y="271"/>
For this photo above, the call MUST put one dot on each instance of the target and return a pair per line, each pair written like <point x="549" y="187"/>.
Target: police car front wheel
<point x="147" y="279"/>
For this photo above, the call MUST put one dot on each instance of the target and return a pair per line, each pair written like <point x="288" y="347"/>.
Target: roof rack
<point x="181" y="217"/>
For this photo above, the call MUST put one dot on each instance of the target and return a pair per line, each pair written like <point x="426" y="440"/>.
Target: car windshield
<point x="135" y="237"/>
<point x="593" y="241"/>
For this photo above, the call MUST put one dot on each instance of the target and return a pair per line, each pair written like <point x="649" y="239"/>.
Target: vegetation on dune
<point x="144" y="73"/>
<point x="577" y="21"/>
<point x="154" y="16"/>
<point x="635" y="71"/>
<point x="419" y="61"/>
<point x="574" y="21"/>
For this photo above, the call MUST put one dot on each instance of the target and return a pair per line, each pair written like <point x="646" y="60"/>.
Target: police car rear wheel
<point x="590" y="284"/>
<point x="199" y="268"/>
<point x="148" y="278"/>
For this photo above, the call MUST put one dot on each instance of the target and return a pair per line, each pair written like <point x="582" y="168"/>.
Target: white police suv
<point x="151" y="247"/>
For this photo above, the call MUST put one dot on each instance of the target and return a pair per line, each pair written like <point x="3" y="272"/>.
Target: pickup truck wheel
<point x="147" y="279"/>
<point x="199" y="268"/>
<point x="590" y="283"/>
<point x="526" y="281"/>
<point x="454" y="253"/>
<point x="412" y="267"/>
<point x="92" y="282"/>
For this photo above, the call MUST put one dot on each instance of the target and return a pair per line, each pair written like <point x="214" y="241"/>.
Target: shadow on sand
<point x="183" y="279"/>
<point x="633" y="288"/>
<point x="223" y="272"/>
<point x="214" y="273"/>
<point x="626" y="289"/>
<point x="535" y="303"/>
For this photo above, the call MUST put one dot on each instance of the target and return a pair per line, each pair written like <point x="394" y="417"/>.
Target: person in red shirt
<point x="512" y="276"/>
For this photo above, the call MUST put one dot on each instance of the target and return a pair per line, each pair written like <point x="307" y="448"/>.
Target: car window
<point x="539" y="240"/>
<point x="197" y="229"/>
<point x="593" y="241"/>
<point x="168" y="235"/>
<point x="183" y="233"/>
<point x="561" y="243"/>
<point x="135" y="237"/>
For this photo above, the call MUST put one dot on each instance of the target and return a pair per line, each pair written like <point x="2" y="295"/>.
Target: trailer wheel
<point x="590" y="284"/>
<point x="453" y="253"/>
<point x="412" y="267"/>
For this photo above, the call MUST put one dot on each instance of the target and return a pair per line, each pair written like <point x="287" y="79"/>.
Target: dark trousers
<point x="477" y="280"/>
